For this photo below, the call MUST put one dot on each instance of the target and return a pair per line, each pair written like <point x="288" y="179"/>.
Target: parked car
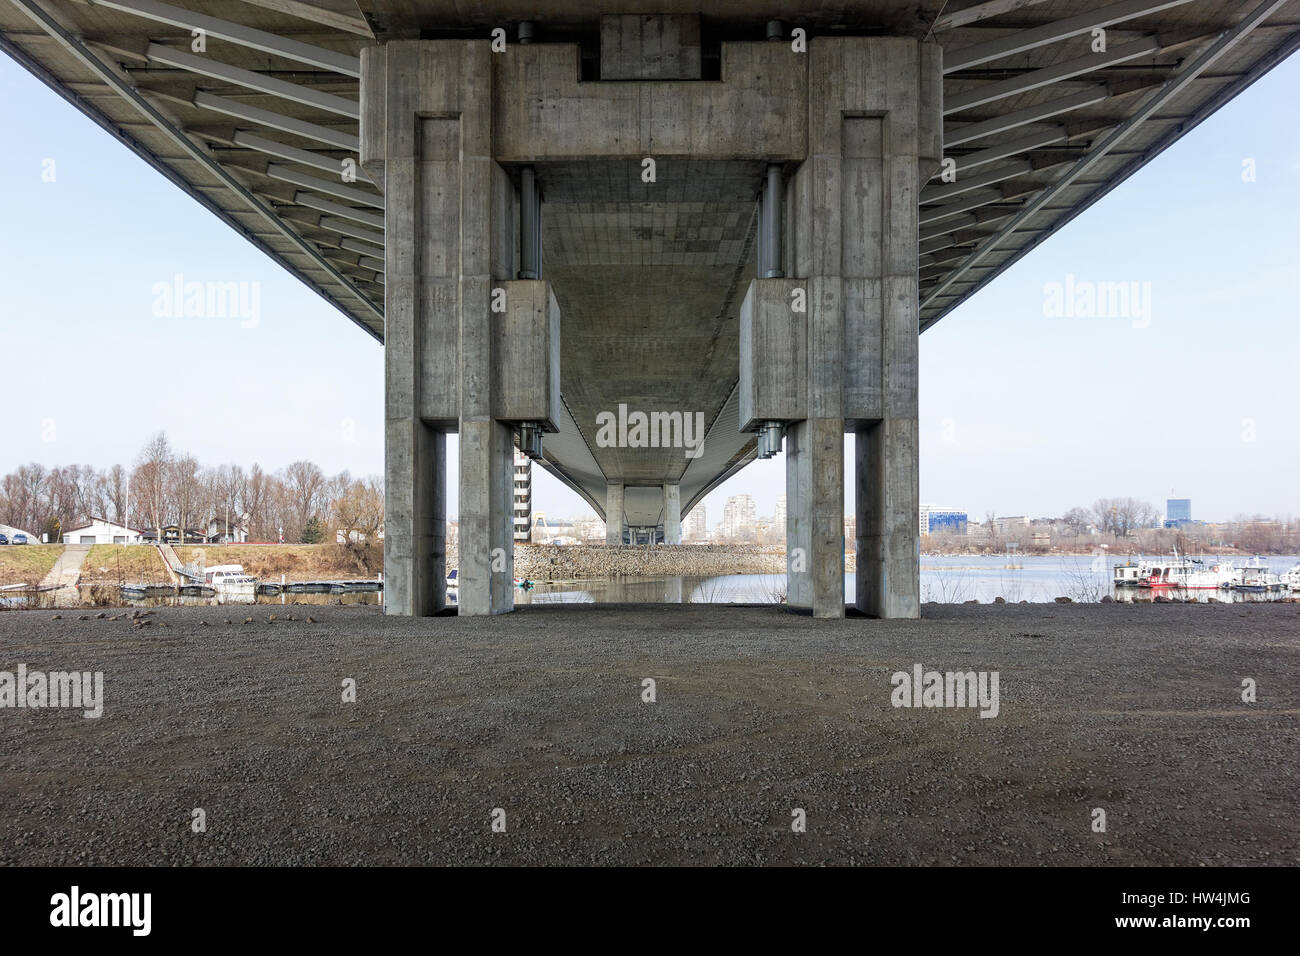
<point x="4" y="539"/>
<point x="20" y="539"/>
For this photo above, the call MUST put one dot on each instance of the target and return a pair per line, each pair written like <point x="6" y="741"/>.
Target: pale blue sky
<point x="1020" y="413"/>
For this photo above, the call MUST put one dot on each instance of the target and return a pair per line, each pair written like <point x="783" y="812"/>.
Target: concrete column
<point x="874" y="134"/>
<point x="814" y="488"/>
<point x="887" y="503"/>
<point x="486" y="508"/>
<point x="414" y="449"/>
<point x="672" y="514"/>
<point x="614" y="513"/>
<point x="448" y="237"/>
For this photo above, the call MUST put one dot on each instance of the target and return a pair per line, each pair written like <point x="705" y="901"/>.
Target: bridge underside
<point x="521" y="170"/>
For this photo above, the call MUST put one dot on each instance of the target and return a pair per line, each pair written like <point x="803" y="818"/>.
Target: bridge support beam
<point x="836" y="350"/>
<point x="672" y="514"/>
<point x="614" y="513"/>
<point x="449" y="241"/>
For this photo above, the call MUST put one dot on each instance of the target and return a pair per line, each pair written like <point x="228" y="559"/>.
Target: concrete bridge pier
<point x="614" y="513"/>
<point x="456" y="320"/>
<point x="672" y="514"/>
<point x="838" y="138"/>
<point x="834" y="349"/>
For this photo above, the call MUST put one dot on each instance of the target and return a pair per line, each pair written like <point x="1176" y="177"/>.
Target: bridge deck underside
<point x="646" y="275"/>
<point x="649" y="277"/>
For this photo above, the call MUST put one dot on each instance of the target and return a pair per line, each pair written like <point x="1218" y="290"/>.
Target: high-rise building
<point x="778" y="516"/>
<point x="695" y="526"/>
<point x="738" y="518"/>
<point x="523" y="497"/>
<point x="1178" y="512"/>
<point x="937" y="520"/>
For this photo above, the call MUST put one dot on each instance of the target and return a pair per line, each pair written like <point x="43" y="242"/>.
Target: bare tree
<point x="358" y="512"/>
<point x="305" y="485"/>
<point x="186" y="492"/>
<point x="1076" y="521"/>
<point x="149" y="480"/>
<point x="114" y="482"/>
<point x="227" y="487"/>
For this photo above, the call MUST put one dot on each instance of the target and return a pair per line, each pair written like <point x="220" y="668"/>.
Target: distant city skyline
<point x="1026" y="406"/>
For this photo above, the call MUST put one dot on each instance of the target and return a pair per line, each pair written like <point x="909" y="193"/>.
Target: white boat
<point x="1165" y="572"/>
<point x="1127" y="574"/>
<point x="1221" y="574"/>
<point x="1256" y="576"/>
<point x="229" y="580"/>
<point x="453" y="580"/>
<point x="1291" y="578"/>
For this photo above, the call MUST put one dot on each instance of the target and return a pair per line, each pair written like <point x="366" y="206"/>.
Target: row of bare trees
<point x="167" y="486"/>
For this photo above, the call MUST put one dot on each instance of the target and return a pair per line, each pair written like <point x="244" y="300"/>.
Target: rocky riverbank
<point x="587" y="562"/>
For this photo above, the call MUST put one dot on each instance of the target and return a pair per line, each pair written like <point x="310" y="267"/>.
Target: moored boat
<point x="1257" y="577"/>
<point x="1127" y="575"/>
<point x="229" y="580"/>
<point x="1219" y="575"/>
<point x="1165" y="573"/>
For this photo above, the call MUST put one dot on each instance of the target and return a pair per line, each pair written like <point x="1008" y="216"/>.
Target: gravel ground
<point x="1133" y="709"/>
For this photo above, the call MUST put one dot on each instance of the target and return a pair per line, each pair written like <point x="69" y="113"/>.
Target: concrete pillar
<point x="449" y="237"/>
<point x="614" y="513"/>
<point x="874" y="135"/>
<point x="486" y="507"/>
<point x="672" y="514"/>
<point x="814" y="488"/>
<point x="887" y="503"/>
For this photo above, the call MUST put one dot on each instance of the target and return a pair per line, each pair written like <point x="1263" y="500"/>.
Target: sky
<point x="1026" y="407"/>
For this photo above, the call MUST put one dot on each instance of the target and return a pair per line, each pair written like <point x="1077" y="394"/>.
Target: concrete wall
<point x="544" y="113"/>
<point x="640" y="46"/>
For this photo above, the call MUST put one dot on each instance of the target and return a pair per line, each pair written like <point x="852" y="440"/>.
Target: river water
<point x="944" y="579"/>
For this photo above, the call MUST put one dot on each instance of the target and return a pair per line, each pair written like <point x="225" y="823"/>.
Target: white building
<point x="695" y="526"/>
<point x="589" y="528"/>
<point x="1014" y="524"/>
<point x="523" y="497"/>
<point x="738" y="517"/>
<point x="101" y="531"/>
<point x="236" y="533"/>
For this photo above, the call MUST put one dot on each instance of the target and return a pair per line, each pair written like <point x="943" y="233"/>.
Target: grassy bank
<point x="297" y="562"/>
<point x="23" y="564"/>
<point x="119" y="564"/>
